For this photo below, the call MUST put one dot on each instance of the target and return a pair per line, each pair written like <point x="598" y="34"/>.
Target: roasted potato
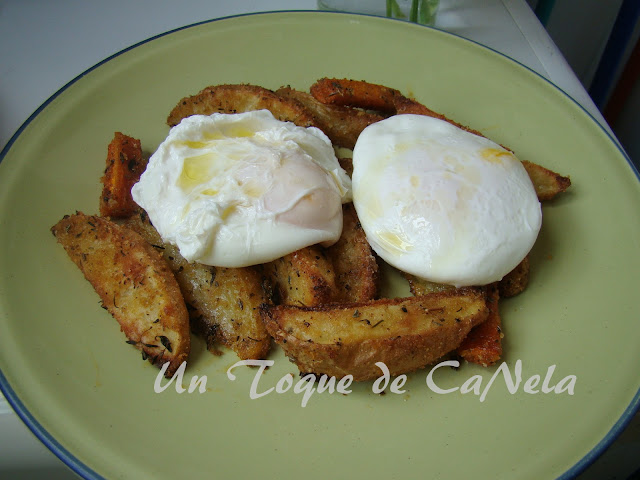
<point x="547" y="183"/>
<point x="304" y="277"/>
<point x="341" y="124"/>
<point x="222" y="302"/>
<point x="420" y="286"/>
<point x="349" y="339"/>
<point x="516" y="280"/>
<point x="134" y="283"/>
<point x="238" y="99"/>
<point x="354" y="263"/>
<point x="483" y="345"/>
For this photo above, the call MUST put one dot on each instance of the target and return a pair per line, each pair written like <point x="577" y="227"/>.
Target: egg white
<point x="243" y="189"/>
<point x="441" y="203"/>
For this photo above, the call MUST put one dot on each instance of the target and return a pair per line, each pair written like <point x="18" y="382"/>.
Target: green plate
<point x="69" y="374"/>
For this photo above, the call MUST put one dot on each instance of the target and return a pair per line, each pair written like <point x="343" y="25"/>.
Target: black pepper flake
<point x="379" y="322"/>
<point x="356" y="314"/>
<point x="404" y="309"/>
<point x="165" y="342"/>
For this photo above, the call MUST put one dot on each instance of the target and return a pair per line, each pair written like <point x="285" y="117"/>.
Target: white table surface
<point x="44" y="44"/>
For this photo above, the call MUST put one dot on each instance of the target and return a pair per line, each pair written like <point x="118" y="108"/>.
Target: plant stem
<point x="413" y="14"/>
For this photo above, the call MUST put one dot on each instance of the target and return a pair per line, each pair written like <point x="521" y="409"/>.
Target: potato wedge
<point x="483" y="345"/>
<point x="353" y="260"/>
<point x="134" y="283"/>
<point x="341" y="124"/>
<point x="547" y="183"/>
<point x="516" y="280"/>
<point x="348" y="339"/>
<point x="237" y="99"/>
<point x="419" y="286"/>
<point x="304" y="277"/>
<point x="222" y="302"/>
<point x="125" y="164"/>
<point x="512" y="283"/>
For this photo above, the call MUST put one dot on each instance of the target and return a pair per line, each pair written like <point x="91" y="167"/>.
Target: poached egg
<point x="233" y="190"/>
<point x="441" y="203"/>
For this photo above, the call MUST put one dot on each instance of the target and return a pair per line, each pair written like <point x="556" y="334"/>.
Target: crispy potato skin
<point x="516" y="280"/>
<point x="512" y="283"/>
<point x="353" y="260"/>
<point x="348" y="339"/>
<point x="419" y="286"/>
<point x="125" y="164"/>
<point x="238" y="99"/>
<point x="345" y="272"/>
<point x="341" y="124"/>
<point x="304" y="277"/>
<point x="547" y="183"/>
<point x="483" y="345"/>
<point x="222" y="302"/>
<point x="134" y="283"/>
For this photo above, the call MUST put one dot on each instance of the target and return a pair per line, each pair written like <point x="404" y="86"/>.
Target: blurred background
<point x="599" y="39"/>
